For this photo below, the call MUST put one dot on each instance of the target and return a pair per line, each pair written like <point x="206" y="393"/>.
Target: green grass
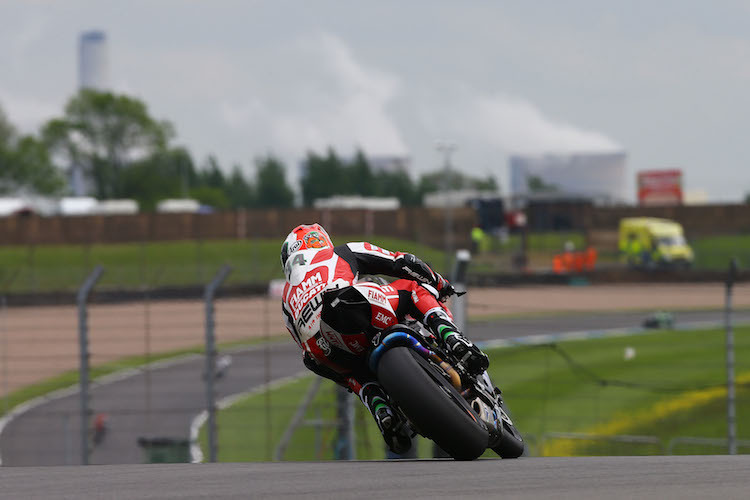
<point x="64" y="267"/>
<point x="247" y="432"/>
<point x="545" y="392"/>
<point x="716" y="251"/>
<point x="130" y="265"/>
<point x="707" y="421"/>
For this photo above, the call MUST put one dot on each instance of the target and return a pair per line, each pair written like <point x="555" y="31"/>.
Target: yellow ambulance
<point x="649" y="242"/>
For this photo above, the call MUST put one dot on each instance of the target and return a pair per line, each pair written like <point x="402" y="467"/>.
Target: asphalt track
<point x="162" y="401"/>
<point x="613" y="478"/>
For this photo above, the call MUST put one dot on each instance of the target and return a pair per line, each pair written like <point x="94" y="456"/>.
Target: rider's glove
<point x="444" y="288"/>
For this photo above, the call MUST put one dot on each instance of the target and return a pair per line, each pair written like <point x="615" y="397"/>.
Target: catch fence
<point x="148" y="385"/>
<point x="146" y="361"/>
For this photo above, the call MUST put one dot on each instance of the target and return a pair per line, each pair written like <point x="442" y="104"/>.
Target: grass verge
<point x="129" y="265"/>
<point x="584" y="386"/>
<point x="715" y="252"/>
<point x="64" y="267"/>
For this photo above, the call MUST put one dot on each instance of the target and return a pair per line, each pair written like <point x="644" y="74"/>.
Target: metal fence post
<point x="83" y="341"/>
<point x="4" y="349"/>
<point x="345" y="443"/>
<point x="208" y="298"/>
<point x="458" y="306"/>
<point x="7" y="282"/>
<point x="731" y="411"/>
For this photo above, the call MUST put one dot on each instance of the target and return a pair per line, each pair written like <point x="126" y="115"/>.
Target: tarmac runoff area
<point x="613" y="478"/>
<point x="630" y="296"/>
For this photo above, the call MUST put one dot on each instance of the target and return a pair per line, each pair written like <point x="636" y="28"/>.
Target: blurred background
<point x="153" y="157"/>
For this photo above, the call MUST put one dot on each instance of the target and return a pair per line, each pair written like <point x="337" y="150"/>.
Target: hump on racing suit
<point x="330" y="276"/>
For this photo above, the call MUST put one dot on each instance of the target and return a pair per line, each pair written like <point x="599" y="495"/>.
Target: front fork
<point x="487" y="405"/>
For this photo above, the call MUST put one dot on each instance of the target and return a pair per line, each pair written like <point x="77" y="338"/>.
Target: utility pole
<point x="447" y="149"/>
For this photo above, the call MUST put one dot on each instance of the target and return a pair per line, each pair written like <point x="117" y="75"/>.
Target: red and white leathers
<point x="311" y="272"/>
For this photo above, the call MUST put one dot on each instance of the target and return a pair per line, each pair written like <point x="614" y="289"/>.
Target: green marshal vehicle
<point x="651" y="243"/>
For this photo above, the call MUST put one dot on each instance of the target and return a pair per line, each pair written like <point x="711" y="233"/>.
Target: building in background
<point x="92" y="61"/>
<point x="600" y="177"/>
<point x="356" y="202"/>
<point x="660" y="187"/>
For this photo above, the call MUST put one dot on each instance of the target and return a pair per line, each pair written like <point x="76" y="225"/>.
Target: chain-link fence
<point x="146" y="362"/>
<point x="148" y="390"/>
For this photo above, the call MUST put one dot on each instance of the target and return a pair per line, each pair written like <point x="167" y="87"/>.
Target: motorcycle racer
<point x="333" y="323"/>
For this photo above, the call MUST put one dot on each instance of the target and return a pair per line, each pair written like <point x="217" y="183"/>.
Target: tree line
<point x="122" y="151"/>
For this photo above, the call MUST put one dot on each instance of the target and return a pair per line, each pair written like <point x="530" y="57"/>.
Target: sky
<point x="666" y="81"/>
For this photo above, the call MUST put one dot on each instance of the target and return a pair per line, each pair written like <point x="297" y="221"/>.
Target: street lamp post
<point x="447" y="149"/>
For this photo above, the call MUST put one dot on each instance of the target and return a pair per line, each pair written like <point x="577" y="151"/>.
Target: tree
<point x="166" y="174"/>
<point x="537" y="185"/>
<point x="211" y="174"/>
<point x="239" y="191"/>
<point x="272" y="189"/>
<point x="431" y="182"/>
<point x="324" y="177"/>
<point x="25" y="163"/>
<point x="104" y="133"/>
<point x="397" y="184"/>
<point x="210" y="196"/>
<point x="361" y="178"/>
<point x="7" y="130"/>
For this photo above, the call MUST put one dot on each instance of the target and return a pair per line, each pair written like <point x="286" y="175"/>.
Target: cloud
<point x="30" y="31"/>
<point x="333" y="100"/>
<point x="490" y="125"/>
<point x="27" y="113"/>
<point x="515" y="125"/>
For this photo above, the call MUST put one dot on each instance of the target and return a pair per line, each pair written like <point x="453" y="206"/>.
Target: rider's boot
<point x="448" y="333"/>
<point x="395" y="432"/>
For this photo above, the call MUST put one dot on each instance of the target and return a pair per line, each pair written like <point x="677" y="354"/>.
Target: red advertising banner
<point x="660" y="187"/>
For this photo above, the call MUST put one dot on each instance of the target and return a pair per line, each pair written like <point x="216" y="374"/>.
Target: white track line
<point x="546" y="338"/>
<point x="117" y="376"/>
<point x="197" y="421"/>
<point x="196" y="454"/>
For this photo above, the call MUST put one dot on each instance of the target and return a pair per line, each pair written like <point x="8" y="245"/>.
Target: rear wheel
<point x="432" y="404"/>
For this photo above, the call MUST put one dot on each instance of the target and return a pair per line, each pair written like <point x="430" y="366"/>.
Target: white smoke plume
<point x="515" y="125"/>
<point x="334" y="101"/>
<point x="500" y="124"/>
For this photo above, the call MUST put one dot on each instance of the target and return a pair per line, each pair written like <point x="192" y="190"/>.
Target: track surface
<point x="612" y="478"/>
<point x="45" y="436"/>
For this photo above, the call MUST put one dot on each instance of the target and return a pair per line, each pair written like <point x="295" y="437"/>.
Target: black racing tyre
<point x="432" y="404"/>
<point x="511" y="443"/>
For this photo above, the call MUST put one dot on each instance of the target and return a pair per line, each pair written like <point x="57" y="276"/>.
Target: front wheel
<point x="511" y="443"/>
<point x="432" y="404"/>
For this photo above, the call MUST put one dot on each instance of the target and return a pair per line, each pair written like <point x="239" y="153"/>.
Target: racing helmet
<point x="304" y="237"/>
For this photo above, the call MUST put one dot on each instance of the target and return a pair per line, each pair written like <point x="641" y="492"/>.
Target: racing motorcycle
<point x="463" y="414"/>
<point x="434" y="393"/>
